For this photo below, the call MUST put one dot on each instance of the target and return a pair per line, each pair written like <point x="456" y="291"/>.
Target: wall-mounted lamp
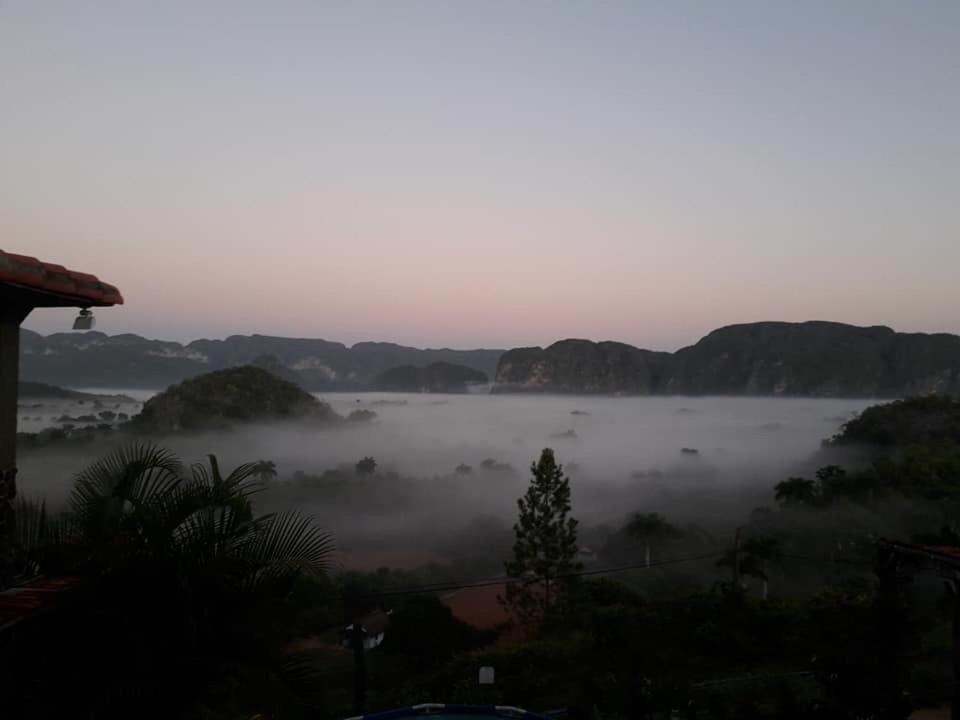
<point x="85" y="320"/>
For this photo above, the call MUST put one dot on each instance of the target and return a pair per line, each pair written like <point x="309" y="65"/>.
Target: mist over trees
<point x="742" y="593"/>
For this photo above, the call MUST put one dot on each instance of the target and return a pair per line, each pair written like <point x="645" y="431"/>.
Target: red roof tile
<point x="81" y="289"/>
<point x="946" y="550"/>
<point x="23" y="601"/>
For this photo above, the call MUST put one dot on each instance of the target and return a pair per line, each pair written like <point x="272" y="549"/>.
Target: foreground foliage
<point x="184" y="589"/>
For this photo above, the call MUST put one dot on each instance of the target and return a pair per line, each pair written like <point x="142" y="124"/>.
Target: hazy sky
<point x="487" y="173"/>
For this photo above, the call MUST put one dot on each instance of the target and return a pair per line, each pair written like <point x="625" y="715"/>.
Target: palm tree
<point x="753" y="558"/>
<point x="796" y="491"/>
<point x="139" y="503"/>
<point x="651" y="529"/>
<point x="265" y="470"/>
<point x="186" y="581"/>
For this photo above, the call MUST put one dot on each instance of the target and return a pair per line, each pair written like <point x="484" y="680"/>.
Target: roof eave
<point x="35" y="297"/>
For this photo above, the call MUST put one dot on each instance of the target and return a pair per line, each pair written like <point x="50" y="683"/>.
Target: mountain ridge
<point x="438" y="377"/>
<point x="771" y="358"/>
<point x="808" y="359"/>
<point x="94" y="359"/>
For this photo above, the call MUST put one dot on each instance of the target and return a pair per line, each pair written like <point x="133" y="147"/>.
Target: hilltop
<point x="227" y="397"/>
<point x="925" y="421"/>
<point x="581" y="366"/>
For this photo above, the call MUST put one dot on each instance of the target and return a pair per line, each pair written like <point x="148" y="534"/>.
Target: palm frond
<point x="240" y="483"/>
<point x="290" y="542"/>
<point x="115" y="500"/>
<point x="137" y="473"/>
<point x="30" y="523"/>
<point x="214" y="532"/>
<point x="39" y="535"/>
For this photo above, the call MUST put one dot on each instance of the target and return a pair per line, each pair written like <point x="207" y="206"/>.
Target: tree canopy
<point x="545" y="541"/>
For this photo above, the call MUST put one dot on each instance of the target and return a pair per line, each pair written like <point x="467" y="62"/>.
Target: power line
<point x="827" y="560"/>
<point x="444" y="587"/>
<point x="454" y="585"/>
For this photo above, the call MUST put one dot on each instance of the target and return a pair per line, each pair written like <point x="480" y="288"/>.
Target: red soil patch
<point x="317" y="645"/>
<point x="479" y="606"/>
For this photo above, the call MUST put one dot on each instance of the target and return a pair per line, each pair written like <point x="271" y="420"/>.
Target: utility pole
<point x="893" y="621"/>
<point x="352" y="608"/>
<point x="546" y="592"/>
<point x="736" y="558"/>
<point x="359" y="668"/>
<point x="955" y="700"/>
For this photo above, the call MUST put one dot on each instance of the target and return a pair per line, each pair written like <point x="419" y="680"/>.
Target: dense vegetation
<point x="933" y="420"/>
<point x="791" y="621"/>
<point x="907" y="449"/>
<point x="225" y="397"/>
<point x="800" y="627"/>
<point x="181" y="609"/>
<point x="795" y="614"/>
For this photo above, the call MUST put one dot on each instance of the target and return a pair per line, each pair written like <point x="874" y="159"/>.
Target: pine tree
<point x="545" y="545"/>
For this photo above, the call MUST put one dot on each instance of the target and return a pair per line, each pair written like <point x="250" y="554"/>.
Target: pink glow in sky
<point x="487" y="174"/>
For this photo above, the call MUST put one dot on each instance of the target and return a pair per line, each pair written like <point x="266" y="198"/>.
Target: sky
<point x="487" y="174"/>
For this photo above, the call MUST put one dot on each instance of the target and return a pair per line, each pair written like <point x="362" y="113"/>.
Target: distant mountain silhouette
<point x="94" y="359"/>
<point x="42" y="391"/>
<point x="581" y="366"/>
<point x="438" y="377"/>
<point x="818" y="359"/>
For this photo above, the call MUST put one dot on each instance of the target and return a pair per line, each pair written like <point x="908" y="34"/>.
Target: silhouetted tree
<point x="447" y="635"/>
<point x="362" y="415"/>
<point x="755" y="556"/>
<point x="265" y="470"/>
<point x="651" y="529"/>
<point x="545" y="544"/>
<point x="796" y="491"/>
<point x="367" y="466"/>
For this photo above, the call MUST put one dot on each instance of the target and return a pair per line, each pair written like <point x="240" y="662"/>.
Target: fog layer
<point x="704" y="460"/>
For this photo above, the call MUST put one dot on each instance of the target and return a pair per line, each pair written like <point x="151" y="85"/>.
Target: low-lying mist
<point x="706" y="461"/>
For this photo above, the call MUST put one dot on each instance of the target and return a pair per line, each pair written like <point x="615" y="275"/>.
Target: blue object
<point x="440" y="711"/>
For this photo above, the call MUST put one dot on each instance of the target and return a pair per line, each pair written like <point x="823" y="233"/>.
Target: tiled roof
<point x="944" y="554"/>
<point x="944" y="550"/>
<point x="80" y="289"/>
<point x="30" y="598"/>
